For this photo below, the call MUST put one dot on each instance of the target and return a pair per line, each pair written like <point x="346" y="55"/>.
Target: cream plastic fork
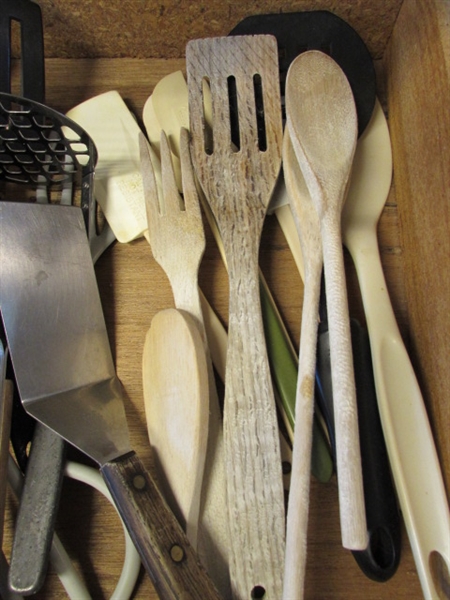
<point x="177" y="240"/>
<point x="409" y="440"/>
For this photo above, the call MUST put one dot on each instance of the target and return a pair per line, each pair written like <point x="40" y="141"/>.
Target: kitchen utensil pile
<point x="215" y="524"/>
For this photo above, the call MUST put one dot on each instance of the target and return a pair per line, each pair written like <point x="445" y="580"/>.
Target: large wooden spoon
<point x="176" y="394"/>
<point x="322" y="122"/>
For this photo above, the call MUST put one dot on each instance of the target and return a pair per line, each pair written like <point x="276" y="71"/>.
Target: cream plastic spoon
<point x="322" y="122"/>
<point x="409" y="440"/>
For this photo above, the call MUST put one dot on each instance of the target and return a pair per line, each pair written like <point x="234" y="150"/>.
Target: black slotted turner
<point x="325" y="31"/>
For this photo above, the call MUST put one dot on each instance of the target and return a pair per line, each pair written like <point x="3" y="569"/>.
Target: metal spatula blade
<point x="64" y="362"/>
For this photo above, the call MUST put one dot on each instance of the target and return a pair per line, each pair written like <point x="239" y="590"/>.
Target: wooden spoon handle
<point x="252" y="451"/>
<point x="348" y="457"/>
<point x="298" y="507"/>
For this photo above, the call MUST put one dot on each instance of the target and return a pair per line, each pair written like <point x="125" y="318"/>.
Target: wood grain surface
<point x="133" y="288"/>
<point x="146" y="28"/>
<point x="419" y="85"/>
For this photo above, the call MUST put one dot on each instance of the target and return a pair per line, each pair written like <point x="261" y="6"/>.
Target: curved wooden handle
<point x="168" y="558"/>
<point x="348" y="456"/>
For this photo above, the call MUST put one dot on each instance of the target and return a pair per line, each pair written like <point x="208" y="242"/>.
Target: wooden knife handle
<point x="169" y="559"/>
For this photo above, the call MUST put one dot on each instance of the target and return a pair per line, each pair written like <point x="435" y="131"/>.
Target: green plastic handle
<point x="284" y="366"/>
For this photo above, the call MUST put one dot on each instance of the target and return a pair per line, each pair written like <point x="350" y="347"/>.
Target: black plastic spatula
<point x="322" y="30"/>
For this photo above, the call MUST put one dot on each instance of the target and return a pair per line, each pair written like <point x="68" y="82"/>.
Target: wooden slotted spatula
<point x="238" y="175"/>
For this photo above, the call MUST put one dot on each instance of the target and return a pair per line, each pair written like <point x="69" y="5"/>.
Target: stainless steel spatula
<point x="59" y="347"/>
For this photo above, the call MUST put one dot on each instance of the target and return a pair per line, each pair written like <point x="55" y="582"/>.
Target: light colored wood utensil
<point x="177" y="239"/>
<point x="176" y="404"/>
<point x="175" y="227"/>
<point x="322" y="122"/>
<point x="308" y="227"/>
<point x="167" y="109"/>
<point x="238" y="177"/>
<point x="409" y="440"/>
<point x="172" y="119"/>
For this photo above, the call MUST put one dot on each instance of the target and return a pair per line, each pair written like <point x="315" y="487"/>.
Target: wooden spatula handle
<point x="168" y="558"/>
<point x="251" y="445"/>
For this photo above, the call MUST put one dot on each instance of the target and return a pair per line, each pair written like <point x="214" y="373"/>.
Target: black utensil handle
<point x="166" y="553"/>
<point x="37" y="512"/>
<point x="379" y="561"/>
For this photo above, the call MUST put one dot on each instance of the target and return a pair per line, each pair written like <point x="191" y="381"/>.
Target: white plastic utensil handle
<point x="132" y="561"/>
<point x="59" y="558"/>
<point x="409" y="440"/>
